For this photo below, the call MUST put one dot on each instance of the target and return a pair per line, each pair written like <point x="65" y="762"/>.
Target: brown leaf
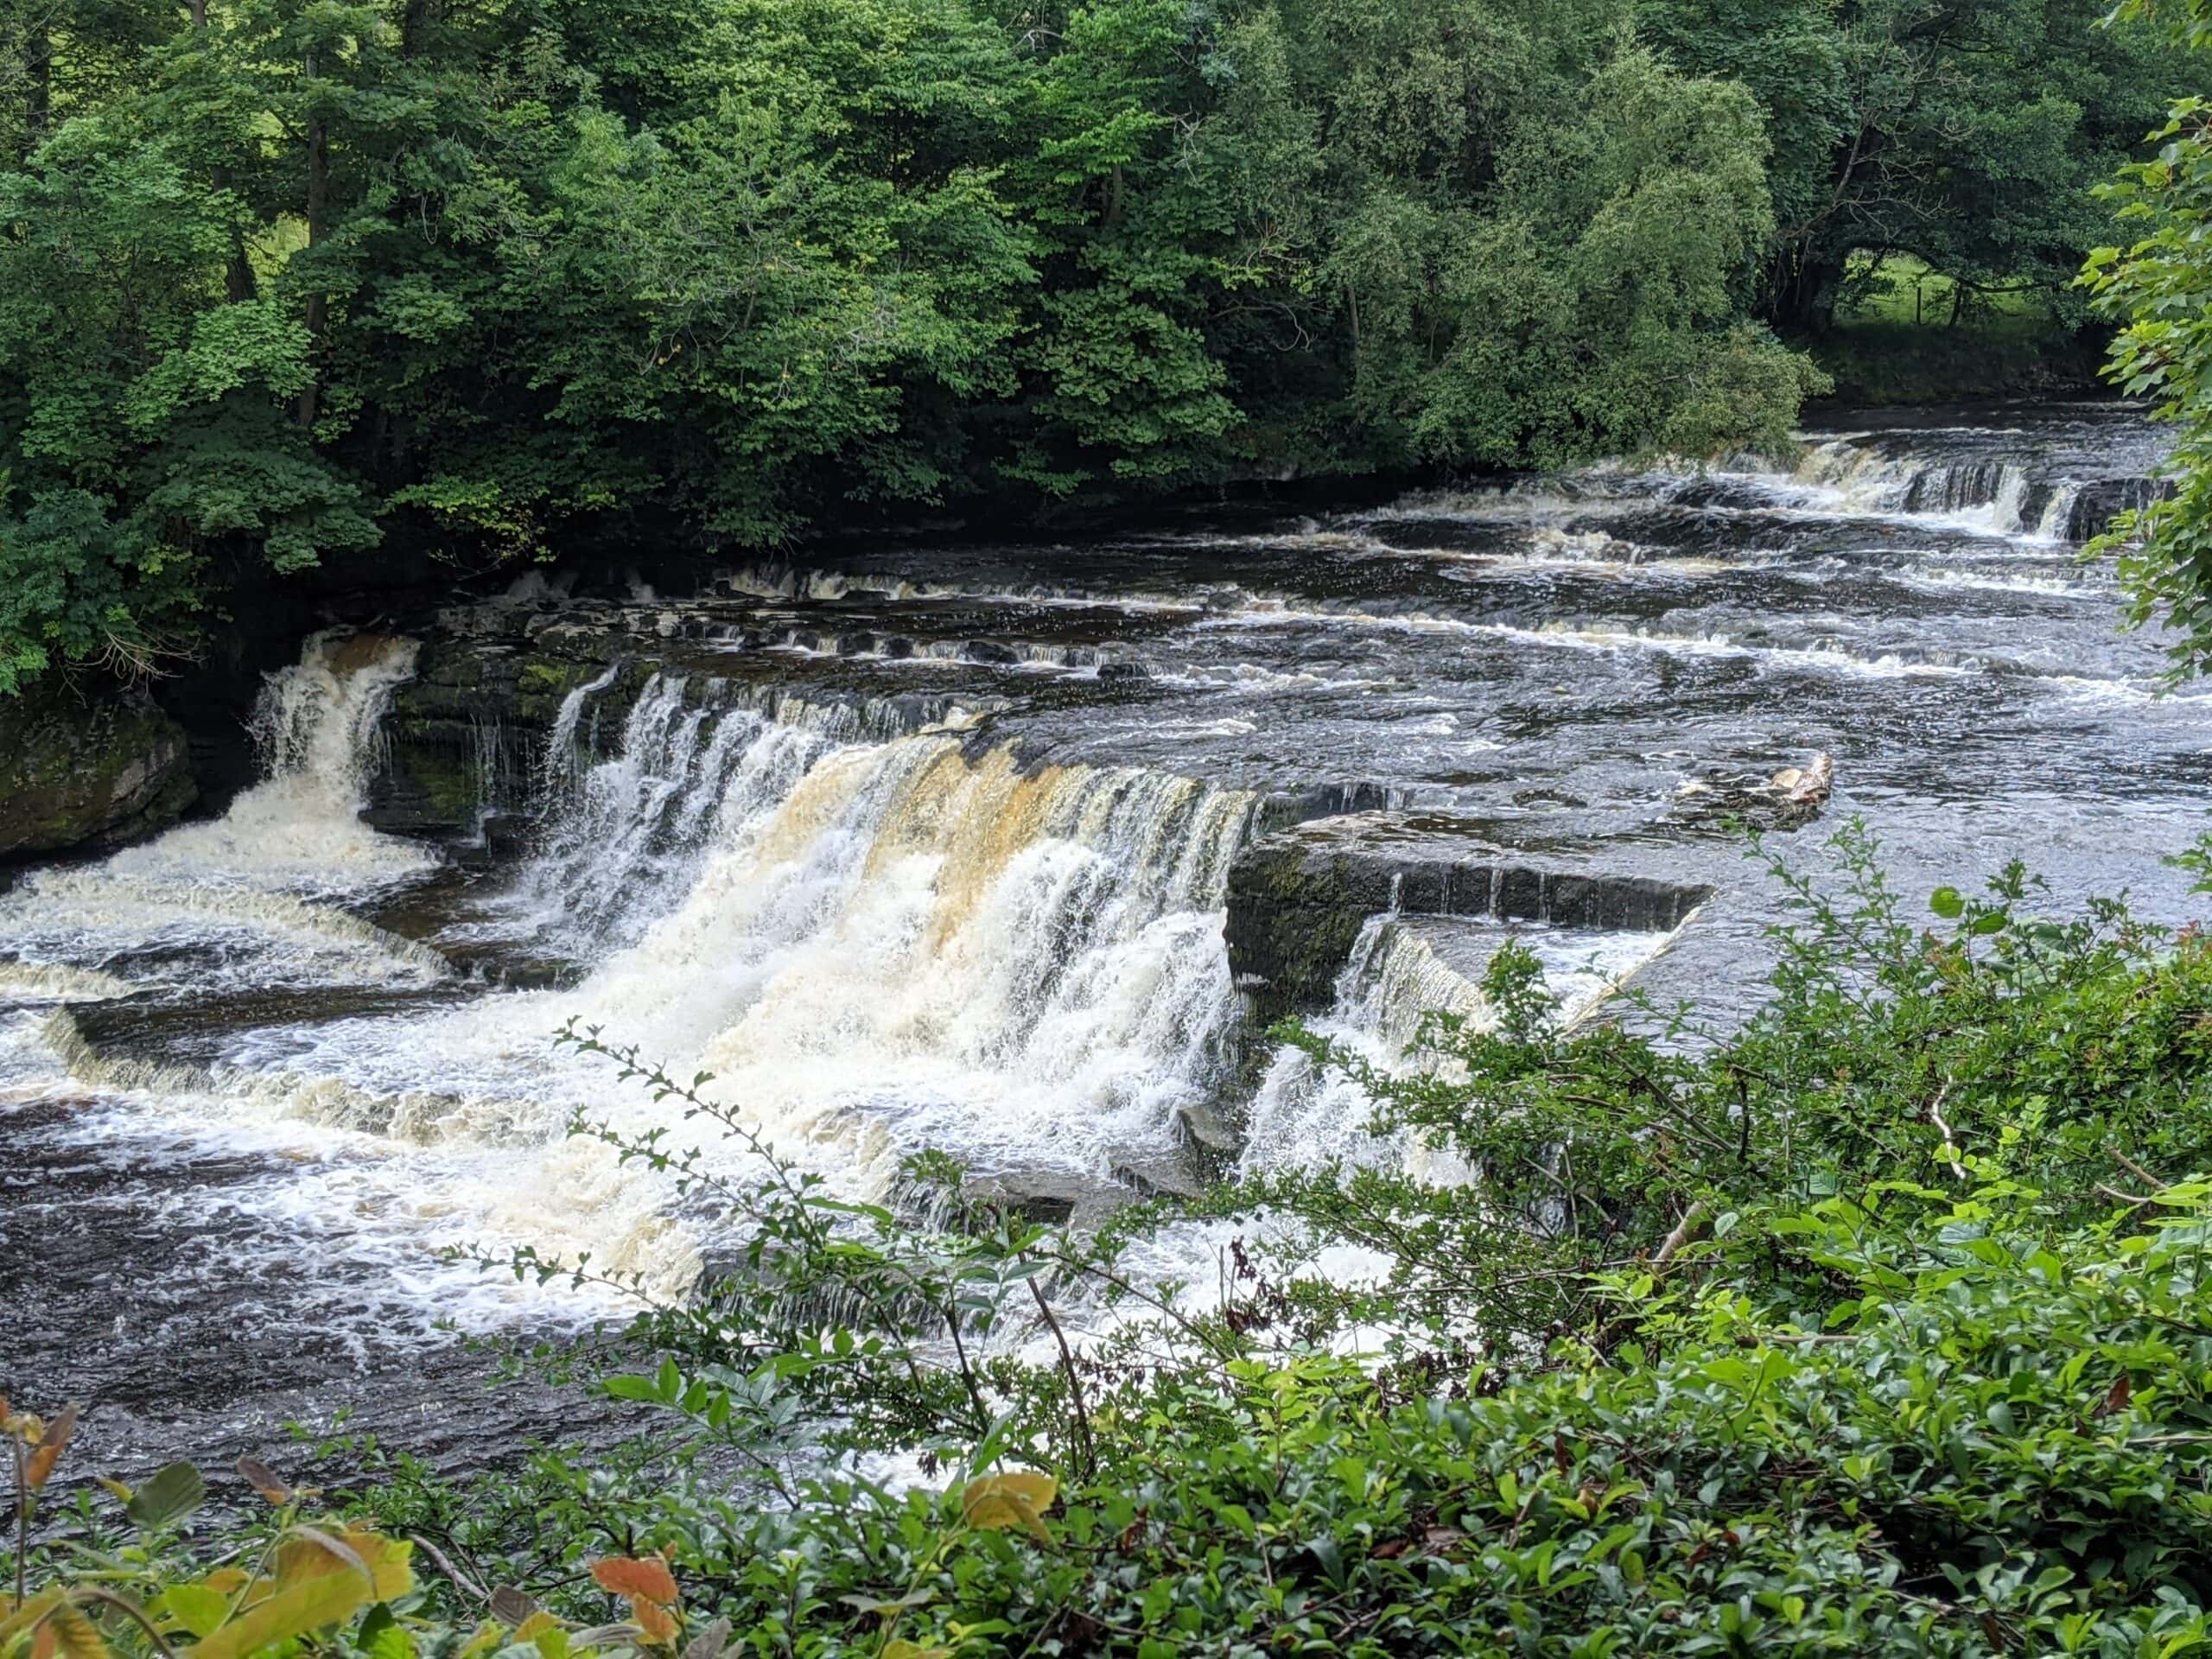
<point x="654" y="1620"/>
<point x="258" y="1476"/>
<point x="2121" y="1392"/>
<point x="647" y="1578"/>
<point x="49" y="1448"/>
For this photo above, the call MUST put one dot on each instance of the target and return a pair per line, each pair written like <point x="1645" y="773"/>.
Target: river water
<point x="930" y="846"/>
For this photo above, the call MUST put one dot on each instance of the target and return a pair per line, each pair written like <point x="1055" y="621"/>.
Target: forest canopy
<point x="297" y="283"/>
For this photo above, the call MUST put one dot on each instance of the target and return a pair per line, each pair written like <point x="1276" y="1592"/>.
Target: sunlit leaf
<point x="309" y="1552"/>
<point x="200" y="1608"/>
<point x="995" y="1503"/>
<point x="647" y="1578"/>
<point x="294" y="1610"/>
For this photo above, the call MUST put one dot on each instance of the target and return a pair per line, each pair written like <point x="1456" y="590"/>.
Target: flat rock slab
<point x="1297" y="899"/>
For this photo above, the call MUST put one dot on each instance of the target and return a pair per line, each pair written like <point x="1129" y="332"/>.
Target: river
<point x="930" y="845"/>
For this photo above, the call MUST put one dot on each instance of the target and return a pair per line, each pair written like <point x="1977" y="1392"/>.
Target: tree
<point x="2159" y="290"/>
<point x="1965" y="133"/>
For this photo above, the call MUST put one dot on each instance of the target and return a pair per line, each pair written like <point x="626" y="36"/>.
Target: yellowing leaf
<point x="535" y="1626"/>
<point x="200" y="1610"/>
<point x="489" y="1635"/>
<point x="295" y="1609"/>
<point x="21" y="1618"/>
<point x="227" y="1580"/>
<point x="903" y="1649"/>
<point x="75" y="1636"/>
<point x="998" y="1502"/>
<point x="43" y="1459"/>
<point x="310" y="1552"/>
<point x="648" y="1578"/>
<point x="655" y="1621"/>
<point x="115" y="1489"/>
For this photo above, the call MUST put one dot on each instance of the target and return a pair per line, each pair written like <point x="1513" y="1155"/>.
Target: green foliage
<point x="1964" y="134"/>
<point x="2158" y="289"/>
<point x="283" y="281"/>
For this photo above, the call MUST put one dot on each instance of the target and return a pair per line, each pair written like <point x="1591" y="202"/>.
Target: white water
<point x="240" y="901"/>
<point x="1305" y="1117"/>
<point x="879" y="940"/>
<point x="875" y="946"/>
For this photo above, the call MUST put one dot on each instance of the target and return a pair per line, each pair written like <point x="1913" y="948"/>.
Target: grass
<point x="1907" y="334"/>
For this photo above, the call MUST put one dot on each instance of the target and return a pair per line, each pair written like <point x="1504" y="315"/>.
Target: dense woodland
<point x="303" y="283"/>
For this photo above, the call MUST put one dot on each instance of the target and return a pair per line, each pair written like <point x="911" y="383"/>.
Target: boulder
<point x="87" y="766"/>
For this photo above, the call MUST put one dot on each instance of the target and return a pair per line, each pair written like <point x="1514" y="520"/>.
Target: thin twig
<point x="1075" y="1382"/>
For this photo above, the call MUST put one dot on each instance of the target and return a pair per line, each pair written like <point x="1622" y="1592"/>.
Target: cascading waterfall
<point x="1396" y="980"/>
<point x="1302" y="1116"/>
<point x="299" y="829"/>
<point x="625" y="836"/>
<point x="916" y="947"/>
<point x="874" y="946"/>
<point x="240" y="900"/>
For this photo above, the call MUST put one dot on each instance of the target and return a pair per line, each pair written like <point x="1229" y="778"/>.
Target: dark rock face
<point x="1298" y="899"/>
<point x="87" y="768"/>
<point x="462" y="737"/>
<point x="2096" y="505"/>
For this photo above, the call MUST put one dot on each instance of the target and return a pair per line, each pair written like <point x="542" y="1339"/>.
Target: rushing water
<point x="930" y="847"/>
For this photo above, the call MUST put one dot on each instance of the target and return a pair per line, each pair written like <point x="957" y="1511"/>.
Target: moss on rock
<point x="87" y="766"/>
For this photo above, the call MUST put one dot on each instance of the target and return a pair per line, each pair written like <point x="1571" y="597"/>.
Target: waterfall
<point x="562" y="761"/>
<point x="1395" y="980"/>
<point x="1023" y="966"/>
<point x="316" y="726"/>
<point x="625" y="836"/>
<point x="1301" y="1116"/>
<point x="243" y="900"/>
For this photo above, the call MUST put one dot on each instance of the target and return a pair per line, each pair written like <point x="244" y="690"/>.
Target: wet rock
<point x="462" y="738"/>
<point x="2098" y="502"/>
<point x="1790" y="799"/>
<point x="1297" y="899"/>
<point x="87" y="766"/>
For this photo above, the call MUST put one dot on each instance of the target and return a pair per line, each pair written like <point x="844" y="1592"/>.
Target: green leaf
<point x="1947" y="902"/>
<point x="167" y="1497"/>
<point x="195" y="1606"/>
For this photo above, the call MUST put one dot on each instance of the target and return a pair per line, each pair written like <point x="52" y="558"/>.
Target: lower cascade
<point x="926" y="853"/>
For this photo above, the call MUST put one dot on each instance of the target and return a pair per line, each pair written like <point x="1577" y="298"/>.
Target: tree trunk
<point x="38" y="72"/>
<point x="1803" y="289"/>
<point x="417" y="20"/>
<point x="318" y="209"/>
<point x="238" y="282"/>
